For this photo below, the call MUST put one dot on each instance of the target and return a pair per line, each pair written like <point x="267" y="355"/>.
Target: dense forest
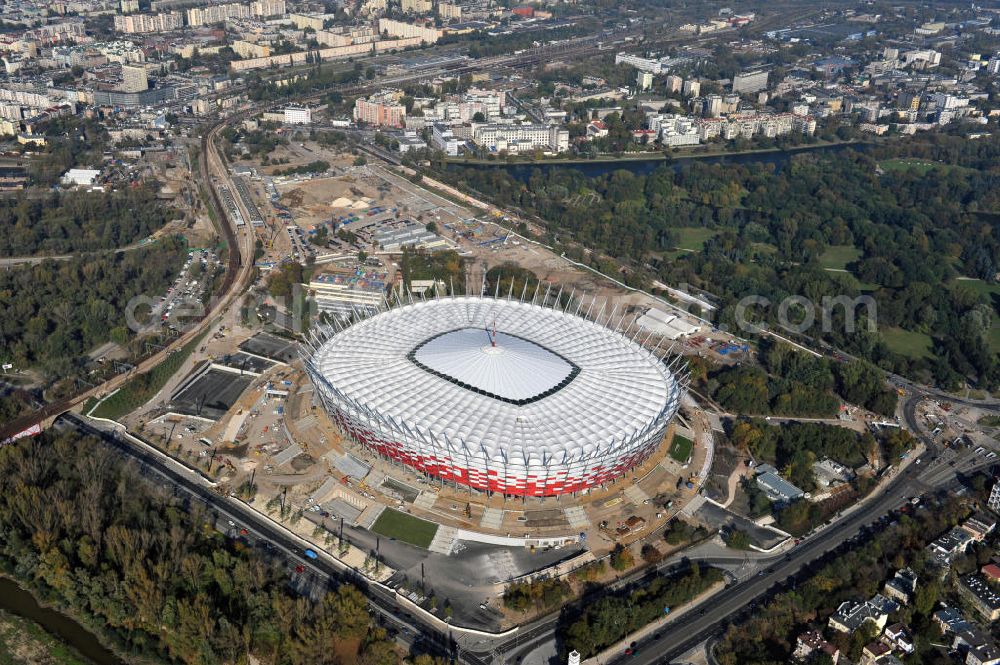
<point x="911" y="233"/>
<point x="62" y="222"/>
<point x="767" y="636"/>
<point x="152" y="576"/>
<point x="57" y="311"/>
<point x="602" y="622"/>
<point x="788" y="382"/>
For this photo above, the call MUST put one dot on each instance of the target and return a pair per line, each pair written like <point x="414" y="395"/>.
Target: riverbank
<point x="24" y="641"/>
<point x="28" y="627"/>
<point x="654" y="156"/>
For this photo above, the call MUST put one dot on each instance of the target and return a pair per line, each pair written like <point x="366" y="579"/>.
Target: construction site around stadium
<point x="501" y="395"/>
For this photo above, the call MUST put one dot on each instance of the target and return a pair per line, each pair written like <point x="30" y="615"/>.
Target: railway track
<point x="234" y="268"/>
<point x="239" y="265"/>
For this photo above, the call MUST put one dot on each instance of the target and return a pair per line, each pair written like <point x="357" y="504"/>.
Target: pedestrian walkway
<point x="425" y="500"/>
<point x="492" y="518"/>
<point x="444" y="540"/>
<point x="635" y="494"/>
<point x="693" y="505"/>
<point x="577" y="517"/>
<point x="287" y="455"/>
<point x="368" y="516"/>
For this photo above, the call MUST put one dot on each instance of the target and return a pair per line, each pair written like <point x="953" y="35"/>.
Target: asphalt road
<point x="937" y="470"/>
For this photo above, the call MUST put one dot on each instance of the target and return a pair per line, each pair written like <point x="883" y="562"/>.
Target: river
<point x="18" y="601"/>
<point x="595" y="168"/>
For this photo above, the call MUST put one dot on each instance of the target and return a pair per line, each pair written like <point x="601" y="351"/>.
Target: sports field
<point x="407" y="528"/>
<point x="681" y="447"/>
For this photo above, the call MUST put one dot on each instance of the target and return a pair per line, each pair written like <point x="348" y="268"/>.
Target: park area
<point x="407" y="528"/>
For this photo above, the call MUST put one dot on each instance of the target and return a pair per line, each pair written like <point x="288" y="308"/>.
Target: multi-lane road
<point x="937" y="470"/>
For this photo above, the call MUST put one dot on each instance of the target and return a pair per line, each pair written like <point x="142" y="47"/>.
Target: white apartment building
<point x="921" y="58"/>
<point x="417" y="6"/>
<point x="444" y="139"/>
<point x="212" y="14"/>
<point x="120" y="51"/>
<point x="134" y="78"/>
<point x="267" y="8"/>
<point x="642" y="64"/>
<point x="945" y="102"/>
<point x="674" y="130"/>
<point x="393" y="28"/>
<point x="145" y="23"/>
<point x="521" y="138"/>
<point x="692" y="88"/>
<point x="297" y="115"/>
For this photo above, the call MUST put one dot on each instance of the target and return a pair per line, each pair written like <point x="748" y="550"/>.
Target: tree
<point x="651" y="555"/>
<point x="622" y="558"/>
<point x="738" y="540"/>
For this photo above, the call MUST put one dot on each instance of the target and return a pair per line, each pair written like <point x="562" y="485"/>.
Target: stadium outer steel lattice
<point x="401" y="404"/>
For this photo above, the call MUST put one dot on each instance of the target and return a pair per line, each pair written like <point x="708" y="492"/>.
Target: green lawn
<point x="978" y="285"/>
<point x="836" y="257"/>
<point x="407" y="528"/>
<point x="907" y="343"/>
<point x="692" y="238"/>
<point x="680" y="449"/>
<point x="920" y="166"/>
<point x="995" y="338"/>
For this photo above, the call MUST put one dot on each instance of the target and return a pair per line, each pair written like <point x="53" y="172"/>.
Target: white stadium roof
<point x="555" y="386"/>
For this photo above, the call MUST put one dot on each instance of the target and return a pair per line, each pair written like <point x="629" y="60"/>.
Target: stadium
<point x="500" y="395"/>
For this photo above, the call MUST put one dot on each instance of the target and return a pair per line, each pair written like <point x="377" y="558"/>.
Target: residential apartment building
<point x="674" y="130"/>
<point x="981" y="594"/>
<point x="134" y="78"/>
<point x="444" y="139"/>
<point x="212" y="14"/>
<point x="642" y="64"/>
<point x="267" y="8"/>
<point x="246" y="49"/>
<point x="521" y="138"/>
<point x="417" y="6"/>
<point x="145" y="23"/>
<point x="297" y="115"/>
<point x="393" y="28"/>
<point x="994" y="500"/>
<point x="748" y="125"/>
<point x="383" y="110"/>
<point x="449" y="10"/>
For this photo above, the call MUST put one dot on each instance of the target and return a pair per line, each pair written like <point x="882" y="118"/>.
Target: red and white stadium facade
<point x="499" y="394"/>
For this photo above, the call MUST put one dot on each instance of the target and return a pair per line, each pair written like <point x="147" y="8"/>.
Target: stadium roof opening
<point x="496" y="364"/>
